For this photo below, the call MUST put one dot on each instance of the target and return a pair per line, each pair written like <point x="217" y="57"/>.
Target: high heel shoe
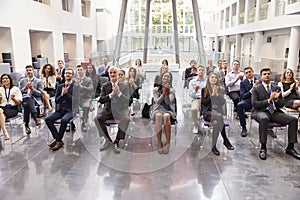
<point x="166" y="148"/>
<point x="160" y="149"/>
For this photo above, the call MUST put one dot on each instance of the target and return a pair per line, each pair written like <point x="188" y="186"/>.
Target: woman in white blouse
<point x="48" y="77"/>
<point x="10" y="98"/>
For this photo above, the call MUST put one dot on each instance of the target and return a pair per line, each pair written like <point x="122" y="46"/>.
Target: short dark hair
<point x="246" y="68"/>
<point x="29" y="66"/>
<point x="265" y="69"/>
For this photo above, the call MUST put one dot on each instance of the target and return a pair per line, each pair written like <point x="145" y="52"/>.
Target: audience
<point x="32" y="90"/>
<point x="210" y="67"/>
<point x="141" y="75"/>
<point x="133" y="86"/>
<point x="213" y="103"/>
<point x="157" y="79"/>
<point x="290" y="90"/>
<point x="164" y="110"/>
<point x="245" y="104"/>
<point x="48" y="77"/>
<point x="103" y="70"/>
<point x="66" y="99"/>
<point x="267" y="100"/>
<point x="60" y="76"/>
<point x="10" y="99"/>
<point x="195" y="89"/>
<point x="115" y="97"/>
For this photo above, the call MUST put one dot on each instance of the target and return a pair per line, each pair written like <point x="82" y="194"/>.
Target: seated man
<point x="267" y="101"/>
<point x="195" y="88"/>
<point x="115" y="97"/>
<point x="32" y="90"/>
<point x="245" y="104"/>
<point x="66" y="99"/>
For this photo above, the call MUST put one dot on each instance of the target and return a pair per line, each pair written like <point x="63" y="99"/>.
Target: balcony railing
<point x="233" y="21"/>
<point x="280" y="8"/>
<point x="241" y="18"/>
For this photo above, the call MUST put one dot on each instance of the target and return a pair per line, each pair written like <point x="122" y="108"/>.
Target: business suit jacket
<point x="70" y="101"/>
<point x="37" y="89"/>
<point x="245" y="87"/>
<point x="260" y="98"/>
<point x="121" y="104"/>
<point x="86" y="89"/>
<point x="62" y="80"/>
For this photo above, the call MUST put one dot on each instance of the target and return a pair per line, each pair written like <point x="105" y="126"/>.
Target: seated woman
<point x="290" y="90"/>
<point x="157" y="79"/>
<point x="10" y="98"/>
<point x="163" y="112"/>
<point x="133" y="87"/>
<point x="91" y="73"/>
<point x="48" y="77"/>
<point x="140" y="71"/>
<point x="212" y="102"/>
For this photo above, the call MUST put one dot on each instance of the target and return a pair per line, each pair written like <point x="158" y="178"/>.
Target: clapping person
<point x="212" y="107"/>
<point x="134" y="86"/>
<point x="290" y="89"/>
<point x="48" y="77"/>
<point x="10" y="98"/>
<point x="164" y="112"/>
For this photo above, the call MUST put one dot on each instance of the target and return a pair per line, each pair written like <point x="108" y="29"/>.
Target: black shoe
<point x="228" y="145"/>
<point x="215" y="151"/>
<point x="293" y="153"/>
<point x="263" y="154"/>
<point x="244" y="132"/>
<point x="116" y="148"/>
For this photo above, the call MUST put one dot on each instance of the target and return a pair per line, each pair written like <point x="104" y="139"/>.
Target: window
<point x="85" y="8"/>
<point x="43" y="1"/>
<point x="67" y="5"/>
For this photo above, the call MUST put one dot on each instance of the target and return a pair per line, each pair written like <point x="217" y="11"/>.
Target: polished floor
<point x="29" y="170"/>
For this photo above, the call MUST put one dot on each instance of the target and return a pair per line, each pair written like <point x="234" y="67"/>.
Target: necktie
<point x="225" y="72"/>
<point x="271" y="106"/>
<point x="113" y="99"/>
<point x="251" y="83"/>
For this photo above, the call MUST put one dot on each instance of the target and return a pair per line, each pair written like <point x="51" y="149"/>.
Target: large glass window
<point x="67" y="5"/>
<point x="43" y="1"/>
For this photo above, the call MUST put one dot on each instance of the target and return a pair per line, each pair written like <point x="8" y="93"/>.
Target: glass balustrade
<point x="251" y="15"/>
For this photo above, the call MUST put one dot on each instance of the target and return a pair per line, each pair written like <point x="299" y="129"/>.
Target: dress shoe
<point x="166" y="148"/>
<point x="27" y="130"/>
<point x="293" y="153"/>
<point x="37" y="122"/>
<point x="215" y="151"/>
<point x="104" y="144"/>
<point x="228" y="145"/>
<point x="51" y="145"/>
<point x="116" y="148"/>
<point x="263" y="154"/>
<point x="58" y="145"/>
<point x="244" y="132"/>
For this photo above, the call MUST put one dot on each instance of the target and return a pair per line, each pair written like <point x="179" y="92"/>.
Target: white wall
<point x="25" y="15"/>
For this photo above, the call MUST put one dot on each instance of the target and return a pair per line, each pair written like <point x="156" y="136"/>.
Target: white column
<point x="216" y="43"/>
<point x="230" y="17"/>
<point x="58" y="46"/>
<point x="294" y="48"/>
<point x="272" y="9"/>
<point x="246" y="11"/>
<point x="238" y="47"/>
<point x="258" y="40"/>
<point x="237" y="13"/>
<point x="226" y="48"/>
<point x="257" y="10"/>
<point x="79" y="46"/>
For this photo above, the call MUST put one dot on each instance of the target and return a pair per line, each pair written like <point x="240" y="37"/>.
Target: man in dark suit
<point x="246" y="86"/>
<point x="187" y="73"/>
<point x="66" y="99"/>
<point x="32" y="90"/>
<point x="115" y="97"/>
<point x="60" y="78"/>
<point x="267" y="101"/>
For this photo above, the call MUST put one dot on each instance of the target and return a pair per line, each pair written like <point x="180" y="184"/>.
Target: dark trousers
<point x="65" y="117"/>
<point x="264" y="117"/>
<point x="124" y="119"/>
<point x="235" y="96"/>
<point x="29" y="107"/>
<point x="242" y="106"/>
<point x="218" y="126"/>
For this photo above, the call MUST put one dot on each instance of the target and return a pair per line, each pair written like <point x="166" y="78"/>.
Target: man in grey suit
<point x="267" y="100"/>
<point x="86" y="93"/>
<point x="32" y="90"/>
<point x="115" y="97"/>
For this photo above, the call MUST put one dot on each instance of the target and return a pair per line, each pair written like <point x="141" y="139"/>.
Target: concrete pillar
<point x="257" y="10"/>
<point x="238" y="40"/>
<point x="237" y="13"/>
<point x="198" y="32"/>
<point x="175" y="31"/>
<point x="120" y="29"/>
<point x="258" y="40"/>
<point x="146" y="31"/>
<point x="216" y="46"/>
<point x="294" y="47"/>
<point x="272" y="9"/>
<point x="226" y="48"/>
<point x="230" y="17"/>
